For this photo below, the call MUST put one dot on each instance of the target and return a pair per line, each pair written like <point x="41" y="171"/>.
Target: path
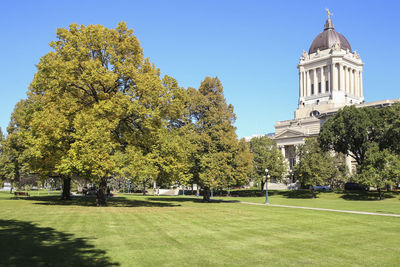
<point x="332" y="210"/>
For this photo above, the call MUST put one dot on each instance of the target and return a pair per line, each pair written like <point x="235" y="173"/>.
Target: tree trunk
<point x="206" y="194"/>
<point x="262" y="185"/>
<point x="66" y="190"/>
<point x="380" y="194"/>
<point x="313" y="192"/>
<point x="102" y="193"/>
<point x="144" y="188"/>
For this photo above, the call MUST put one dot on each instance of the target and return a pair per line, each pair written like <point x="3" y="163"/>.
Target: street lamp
<point x="266" y="186"/>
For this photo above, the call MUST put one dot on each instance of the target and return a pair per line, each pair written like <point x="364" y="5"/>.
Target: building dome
<point x="327" y="38"/>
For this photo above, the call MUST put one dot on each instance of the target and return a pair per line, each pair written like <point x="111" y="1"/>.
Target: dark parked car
<point x="355" y="186"/>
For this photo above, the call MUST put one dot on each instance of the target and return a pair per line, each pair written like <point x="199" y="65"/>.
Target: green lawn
<point x="357" y="201"/>
<point x="172" y="231"/>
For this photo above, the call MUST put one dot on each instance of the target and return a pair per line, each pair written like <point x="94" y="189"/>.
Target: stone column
<point x="334" y="79"/>
<point x="328" y="77"/>
<point x="348" y="164"/>
<point x="283" y="150"/>
<point x="341" y="77"/>
<point x="352" y="82"/>
<point x="358" y="83"/>
<point x="322" y="80"/>
<point x="347" y="80"/>
<point x="361" y="85"/>
<point x="355" y="77"/>
<point x="315" y="81"/>
<point x="308" y="83"/>
<point x="300" y="89"/>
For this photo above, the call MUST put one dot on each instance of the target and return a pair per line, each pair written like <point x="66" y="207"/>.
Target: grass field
<point x="357" y="201"/>
<point x="170" y="231"/>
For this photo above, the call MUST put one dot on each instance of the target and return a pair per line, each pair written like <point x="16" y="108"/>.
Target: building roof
<point x="327" y="38"/>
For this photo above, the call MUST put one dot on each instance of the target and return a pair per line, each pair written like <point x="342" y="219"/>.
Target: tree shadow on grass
<point x="91" y="201"/>
<point x="364" y="196"/>
<point x="302" y="193"/>
<point x="26" y="244"/>
<point x="189" y="199"/>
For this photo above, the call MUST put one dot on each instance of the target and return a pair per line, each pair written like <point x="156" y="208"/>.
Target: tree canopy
<point x="97" y="101"/>
<point x="220" y="160"/>
<point x="351" y="131"/>
<point x="267" y="156"/>
<point x="370" y="135"/>
<point x="98" y="109"/>
<point x="316" y="167"/>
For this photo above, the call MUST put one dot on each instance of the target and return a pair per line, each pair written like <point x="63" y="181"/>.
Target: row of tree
<point x="370" y="136"/>
<point x="97" y="109"/>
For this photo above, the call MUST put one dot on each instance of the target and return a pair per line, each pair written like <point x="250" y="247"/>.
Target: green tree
<point x="314" y="165"/>
<point x="216" y="160"/>
<point x="102" y="102"/>
<point x="391" y="136"/>
<point x="243" y="164"/>
<point x="351" y="131"/>
<point x="266" y="155"/>
<point x="380" y="168"/>
<point x="13" y="156"/>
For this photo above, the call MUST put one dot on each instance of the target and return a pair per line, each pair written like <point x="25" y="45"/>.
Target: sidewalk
<point x="331" y="210"/>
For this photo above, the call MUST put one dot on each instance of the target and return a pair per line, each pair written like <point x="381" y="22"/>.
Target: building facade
<point x="330" y="77"/>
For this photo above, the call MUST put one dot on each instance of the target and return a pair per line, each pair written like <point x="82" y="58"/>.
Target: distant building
<point x="330" y="77"/>
<point x="6" y="187"/>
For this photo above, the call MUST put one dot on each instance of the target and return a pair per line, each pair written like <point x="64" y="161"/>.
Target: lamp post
<point x="291" y="179"/>
<point x="266" y="186"/>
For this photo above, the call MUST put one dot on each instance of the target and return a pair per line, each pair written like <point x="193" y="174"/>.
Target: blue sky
<point x="252" y="46"/>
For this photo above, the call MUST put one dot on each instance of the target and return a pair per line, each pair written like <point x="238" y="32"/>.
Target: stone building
<point x="330" y="77"/>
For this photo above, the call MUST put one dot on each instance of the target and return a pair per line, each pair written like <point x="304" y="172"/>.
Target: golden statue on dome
<point x="329" y="13"/>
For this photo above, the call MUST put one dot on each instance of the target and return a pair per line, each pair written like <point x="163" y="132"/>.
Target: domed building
<point x="330" y="74"/>
<point x="330" y="77"/>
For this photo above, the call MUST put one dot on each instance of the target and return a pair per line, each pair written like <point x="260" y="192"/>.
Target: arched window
<point x="314" y="113"/>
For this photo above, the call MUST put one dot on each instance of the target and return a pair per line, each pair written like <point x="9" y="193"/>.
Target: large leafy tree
<point x="391" y="134"/>
<point x="351" y="131"/>
<point x="220" y="160"/>
<point x="380" y="168"/>
<point x="314" y="165"/>
<point x="14" y="156"/>
<point x="102" y="102"/>
<point x="266" y="155"/>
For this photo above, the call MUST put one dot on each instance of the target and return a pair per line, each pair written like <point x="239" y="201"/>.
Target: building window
<point x="312" y="89"/>
<point x="314" y="113"/>
<point x="327" y="86"/>
<point x="319" y="88"/>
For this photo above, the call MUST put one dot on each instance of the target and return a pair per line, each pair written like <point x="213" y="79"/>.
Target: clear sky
<point x="252" y="46"/>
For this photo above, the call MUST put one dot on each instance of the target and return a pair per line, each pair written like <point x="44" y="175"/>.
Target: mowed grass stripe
<point x="187" y="232"/>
